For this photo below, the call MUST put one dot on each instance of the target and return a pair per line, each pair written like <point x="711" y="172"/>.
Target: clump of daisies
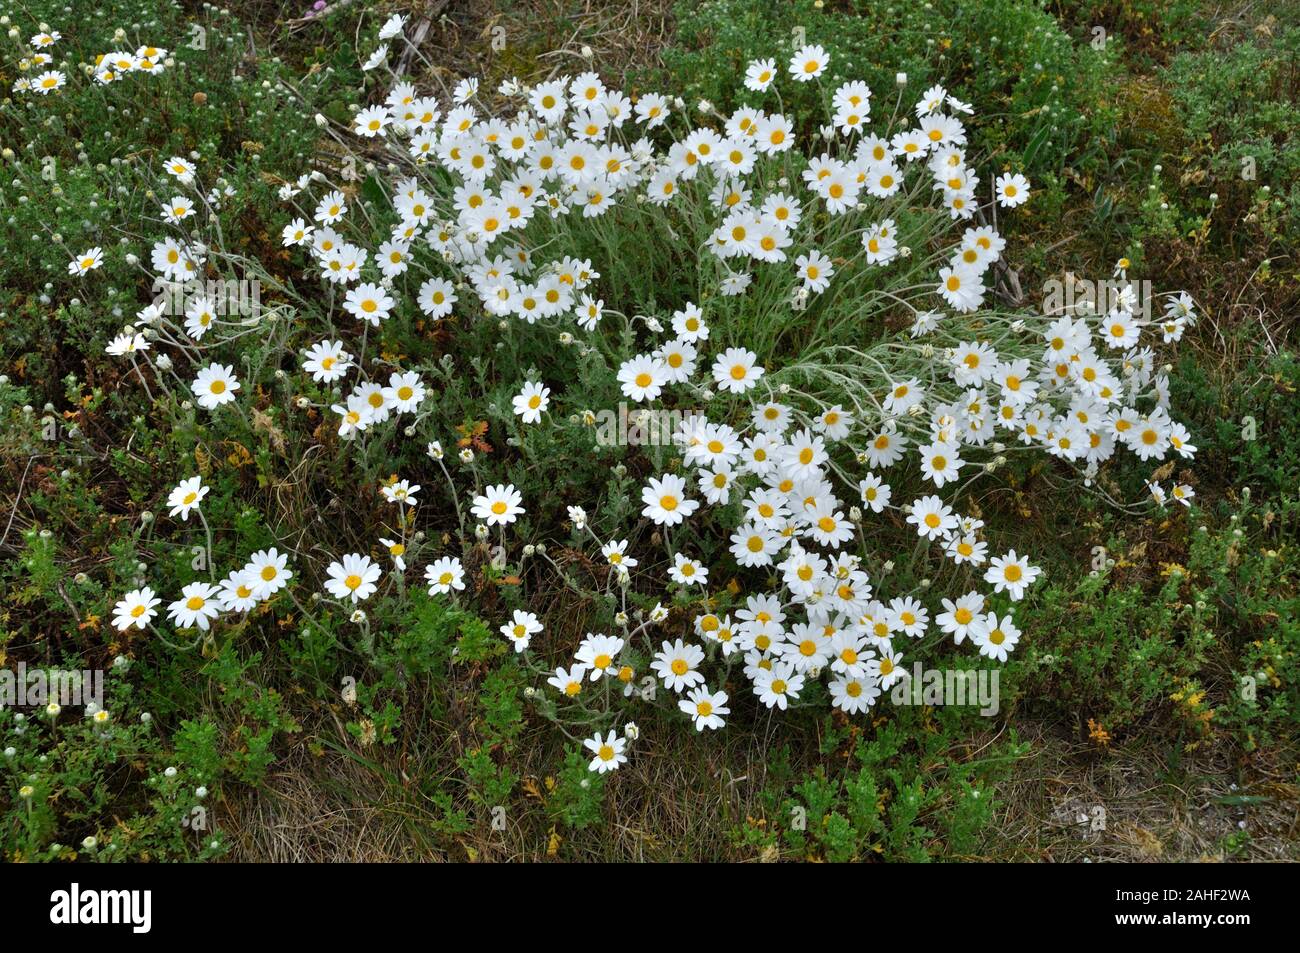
<point x="36" y="77"/>
<point x="487" y="211"/>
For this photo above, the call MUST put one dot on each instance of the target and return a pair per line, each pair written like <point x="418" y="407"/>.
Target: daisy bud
<point x="631" y="731"/>
<point x="467" y="455"/>
<point x="900" y="79"/>
<point x="89" y="843"/>
<point x="620" y="619"/>
<point x="358" y="616"/>
<point x="529" y="549"/>
<point x="530" y="692"/>
<point x="145" y="717"/>
<point x="146" y="517"/>
<point x="170" y="772"/>
<point x="321" y="121"/>
<point x="855" y="514"/>
<point x="586" y="52"/>
<point x="888" y="566"/>
<point x="480" y="532"/>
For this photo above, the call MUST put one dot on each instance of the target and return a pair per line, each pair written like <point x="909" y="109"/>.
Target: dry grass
<point x="1159" y="805"/>
<point x="680" y="798"/>
<point x="687" y="798"/>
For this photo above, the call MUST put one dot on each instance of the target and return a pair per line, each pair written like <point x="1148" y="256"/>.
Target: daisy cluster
<point x="117" y="64"/>
<point x="35" y="68"/>
<point x="477" y="206"/>
<point x="39" y="78"/>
